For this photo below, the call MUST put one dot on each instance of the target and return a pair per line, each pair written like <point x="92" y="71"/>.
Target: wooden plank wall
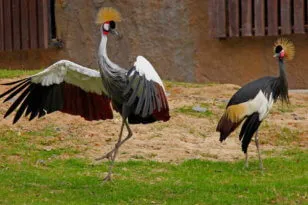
<point x="272" y="17"/>
<point x="1" y="26"/>
<point x="233" y="18"/>
<point x="299" y="16"/>
<point x="24" y="24"/>
<point x="285" y="14"/>
<point x="219" y="24"/>
<point x="259" y="16"/>
<point x="246" y="18"/>
<point x="234" y="22"/>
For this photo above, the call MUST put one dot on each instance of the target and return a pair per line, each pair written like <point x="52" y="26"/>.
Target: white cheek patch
<point x="106" y="27"/>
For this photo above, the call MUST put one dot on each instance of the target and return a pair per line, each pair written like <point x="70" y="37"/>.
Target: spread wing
<point x="64" y="86"/>
<point x="146" y="93"/>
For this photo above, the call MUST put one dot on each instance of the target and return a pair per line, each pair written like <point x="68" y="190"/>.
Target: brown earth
<point x="185" y="136"/>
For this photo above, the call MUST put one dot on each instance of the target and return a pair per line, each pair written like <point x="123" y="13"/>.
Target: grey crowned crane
<point x="252" y="103"/>
<point x="138" y="94"/>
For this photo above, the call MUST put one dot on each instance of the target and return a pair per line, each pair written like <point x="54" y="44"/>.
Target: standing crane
<point x="138" y="94"/>
<point x="253" y="101"/>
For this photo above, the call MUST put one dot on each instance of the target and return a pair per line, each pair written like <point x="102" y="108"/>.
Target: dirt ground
<point x="185" y="136"/>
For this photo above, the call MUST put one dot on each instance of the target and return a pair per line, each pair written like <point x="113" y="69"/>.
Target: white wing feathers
<point x="145" y="68"/>
<point x="87" y="79"/>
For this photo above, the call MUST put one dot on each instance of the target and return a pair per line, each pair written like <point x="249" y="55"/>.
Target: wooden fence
<point x="24" y="24"/>
<point x="233" y="18"/>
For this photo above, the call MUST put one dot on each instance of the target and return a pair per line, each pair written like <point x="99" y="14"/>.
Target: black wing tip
<point x="17" y="81"/>
<point x="15" y="121"/>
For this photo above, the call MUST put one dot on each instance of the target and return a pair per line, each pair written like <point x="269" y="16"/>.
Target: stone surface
<point x="173" y="34"/>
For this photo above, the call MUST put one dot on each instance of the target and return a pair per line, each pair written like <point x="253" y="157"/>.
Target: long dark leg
<point x="109" y="154"/>
<point x="129" y="135"/>
<point x="259" y="154"/>
<point x="112" y="157"/>
<point x="114" y="152"/>
<point x="246" y="160"/>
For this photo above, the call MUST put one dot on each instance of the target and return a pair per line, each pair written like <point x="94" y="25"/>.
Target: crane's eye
<point x="112" y="24"/>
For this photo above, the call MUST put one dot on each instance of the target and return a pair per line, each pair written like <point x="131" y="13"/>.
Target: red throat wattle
<point x="282" y="54"/>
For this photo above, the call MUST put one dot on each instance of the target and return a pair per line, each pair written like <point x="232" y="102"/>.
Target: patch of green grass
<point x="77" y="181"/>
<point x="188" y="110"/>
<point x="170" y="84"/>
<point x="5" y="73"/>
<point x="30" y="175"/>
<point x="28" y="146"/>
<point x="221" y="106"/>
<point x="287" y="108"/>
<point x="278" y="135"/>
<point x="287" y="135"/>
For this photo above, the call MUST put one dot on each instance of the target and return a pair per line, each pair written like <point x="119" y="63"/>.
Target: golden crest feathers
<point x="287" y="46"/>
<point x="107" y="14"/>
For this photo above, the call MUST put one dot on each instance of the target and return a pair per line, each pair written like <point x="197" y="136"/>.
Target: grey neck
<point x="282" y="70"/>
<point x="105" y="64"/>
<point x="282" y="83"/>
<point x="113" y="76"/>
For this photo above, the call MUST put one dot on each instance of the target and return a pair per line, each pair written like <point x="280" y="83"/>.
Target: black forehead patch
<point x="278" y="49"/>
<point x="112" y="24"/>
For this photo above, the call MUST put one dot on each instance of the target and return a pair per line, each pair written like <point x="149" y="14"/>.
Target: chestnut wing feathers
<point x="64" y="86"/>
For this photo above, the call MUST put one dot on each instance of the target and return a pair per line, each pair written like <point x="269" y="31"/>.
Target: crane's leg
<point x="109" y="154"/>
<point x="246" y="160"/>
<point x="258" y="148"/>
<point x="112" y="157"/>
<point x="114" y="152"/>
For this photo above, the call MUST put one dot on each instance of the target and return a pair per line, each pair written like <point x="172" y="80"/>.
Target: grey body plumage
<point x="114" y="77"/>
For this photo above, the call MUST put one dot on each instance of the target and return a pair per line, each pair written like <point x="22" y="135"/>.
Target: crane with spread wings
<point x="138" y="94"/>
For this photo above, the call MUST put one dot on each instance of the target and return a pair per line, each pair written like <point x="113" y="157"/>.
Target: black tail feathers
<point x="249" y="127"/>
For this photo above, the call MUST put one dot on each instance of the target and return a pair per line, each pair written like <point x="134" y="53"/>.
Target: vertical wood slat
<point x="33" y="24"/>
<point x="25" y="31"/>
<point x="16" y="24"/>
<point x="233" y="11"/>
<point x="212" y="18"/>
<point x="246" y="18"/>
<point x="1" y="27"/>
<point x="307" y="12"/>
<point x="220" y="16"/>
<point x="272" y="17"/>
<point x="259" y="18"/>
<point x="299" y="19"/>
<point x="285" y="15"/>
<point x="43" y="23"/>
<point x="8" y="45"/>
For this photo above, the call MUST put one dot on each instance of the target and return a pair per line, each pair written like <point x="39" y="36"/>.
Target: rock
<point x="199" y="109"/>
